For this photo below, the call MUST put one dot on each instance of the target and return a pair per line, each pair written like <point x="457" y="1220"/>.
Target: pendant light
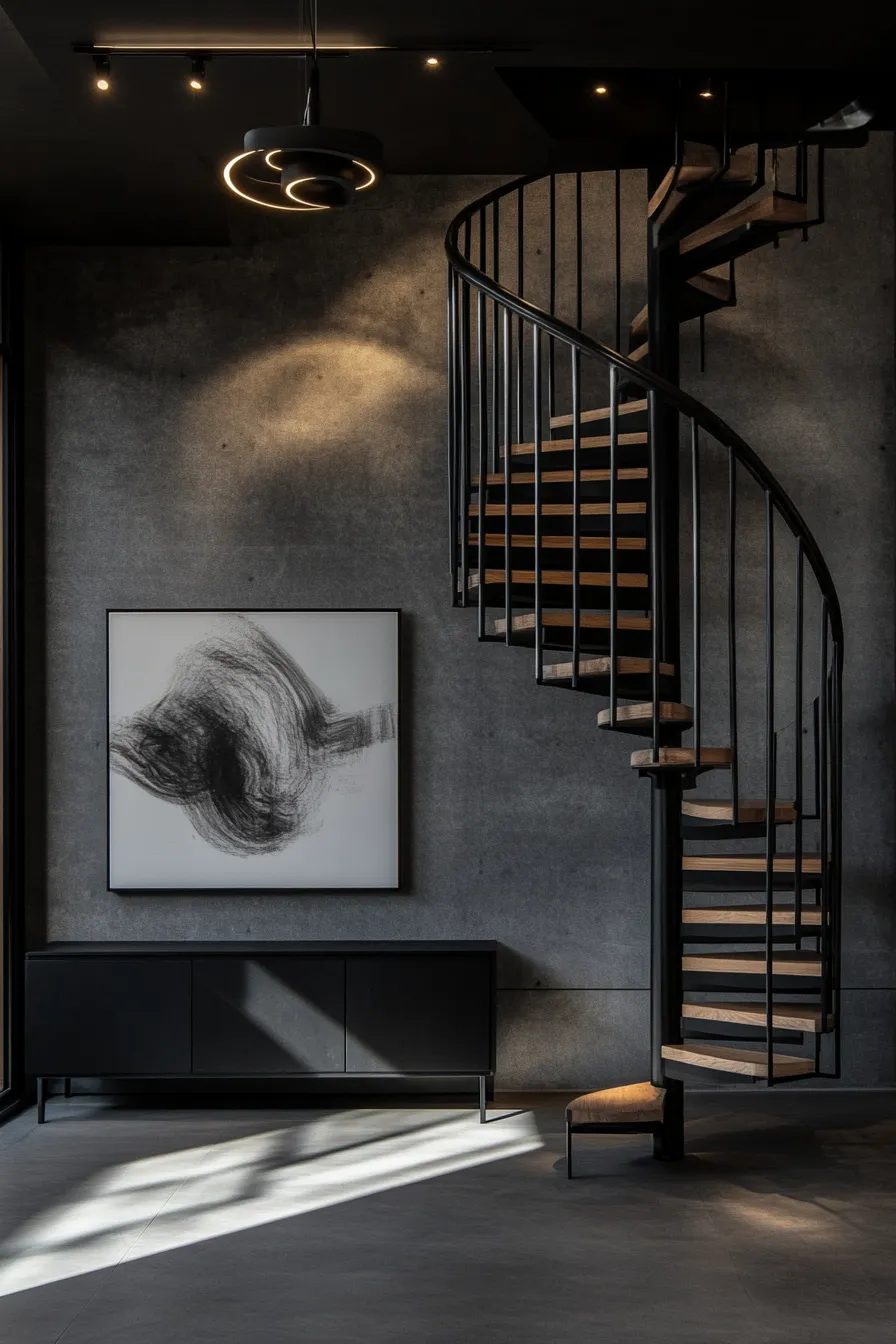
<point x="308" y="166"/>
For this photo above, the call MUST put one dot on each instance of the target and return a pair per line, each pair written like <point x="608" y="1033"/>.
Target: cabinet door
<point x="107" y="1016"/>
<point x="418" y="1014"/>
<point x="268" y="1015"/>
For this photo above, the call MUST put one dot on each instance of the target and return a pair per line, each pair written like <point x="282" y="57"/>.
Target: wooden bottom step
<point x="787" y="1016"/>
<point x="752" y="963"/>
<point x="731" y="1059"/>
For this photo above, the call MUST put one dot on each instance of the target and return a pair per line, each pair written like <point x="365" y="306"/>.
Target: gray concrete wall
<point x="265" y="426"/>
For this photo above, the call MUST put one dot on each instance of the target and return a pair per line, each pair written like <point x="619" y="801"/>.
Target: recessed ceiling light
<point x="601" y="89"/>
<point x="432" y="62"/>
<point x="196" y="82"/>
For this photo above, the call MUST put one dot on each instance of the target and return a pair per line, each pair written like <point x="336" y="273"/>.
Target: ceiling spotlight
<point x="706" y="92"/>
<point x="102" y="79"/>
<point x="432" y="62"/>
<point x="196" y="82"/>
<point x="601" y="89"/>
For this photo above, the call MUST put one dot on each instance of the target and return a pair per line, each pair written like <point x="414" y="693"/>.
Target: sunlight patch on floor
<point x="162" y="1203"/>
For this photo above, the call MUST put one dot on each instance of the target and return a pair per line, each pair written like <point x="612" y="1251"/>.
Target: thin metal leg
<point x="41" y="1100"/>
<point x="482" y="1098"/>
<point x="568" y="1149"/>
<point x="68" y="1087"/>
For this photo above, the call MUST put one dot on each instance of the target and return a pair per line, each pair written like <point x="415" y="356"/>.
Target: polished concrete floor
<point x="204" y="1226"/>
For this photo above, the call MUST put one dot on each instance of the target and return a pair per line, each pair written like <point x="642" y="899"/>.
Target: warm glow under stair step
<point x="787" y="1016"/>
<point x="731" y="1059"/>
<point x="752" y="963"/>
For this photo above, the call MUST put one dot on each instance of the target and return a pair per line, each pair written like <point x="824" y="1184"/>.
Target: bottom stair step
<point x="731" y="1059"/>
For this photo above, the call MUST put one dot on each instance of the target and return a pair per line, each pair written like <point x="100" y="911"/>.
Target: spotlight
<point x="707" y="91"/>
<point x="196" y="82"/>
<point x="432" y="62"/>
<point x="102" y="80"/>
<point x="601" y="89"/>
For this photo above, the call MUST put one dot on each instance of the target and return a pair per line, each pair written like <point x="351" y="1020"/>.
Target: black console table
<point x="260" y="1010"/>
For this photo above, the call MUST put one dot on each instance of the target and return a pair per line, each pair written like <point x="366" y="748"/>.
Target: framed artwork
<point x="253" y="750"/>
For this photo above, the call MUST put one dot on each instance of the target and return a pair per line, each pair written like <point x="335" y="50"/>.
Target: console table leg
<point x="41" y="1100"/>
<point x="482" y="1098"/>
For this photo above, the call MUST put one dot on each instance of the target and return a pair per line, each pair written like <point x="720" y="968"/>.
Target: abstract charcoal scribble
<point x="243" y="741"/>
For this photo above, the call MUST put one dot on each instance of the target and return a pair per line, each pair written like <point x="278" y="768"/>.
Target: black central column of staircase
<point x="666" y="783"/>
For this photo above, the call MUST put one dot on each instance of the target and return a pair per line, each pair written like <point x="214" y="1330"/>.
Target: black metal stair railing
<point x="511" y="364"/>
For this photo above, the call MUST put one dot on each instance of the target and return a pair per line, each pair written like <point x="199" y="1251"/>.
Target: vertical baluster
<point x="552" y="289"/>
<point x="732" y="629"/>
<point x="798" y="756"/>
<point x="823" y="810"/>
<point x="520" y="289"/>
<point x="536" y="424"/>
<point x="836" y="844"/>
<point x="617" y="295"/>
<point x="508" y="508"/>
<point x="482" y="389"/>
<point x="655" y="613"/>
<point x="697" y="614"/>
<point x="576" y="441"/>
<point x="496" y="359"/>
<point x="453" y="510"/>
<point x="726" y="129"/>
<point x="579" y="251"/>
<point x="614" y="611"/>
<point x="819" y="185"/>
<point x="770" y="783"/>
<point x="465" y="431"/>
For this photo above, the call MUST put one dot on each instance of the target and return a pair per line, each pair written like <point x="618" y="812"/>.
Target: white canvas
<point x="253" y="750"/>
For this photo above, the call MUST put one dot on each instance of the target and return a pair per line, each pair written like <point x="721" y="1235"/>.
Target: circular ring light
<point x="301" y="168"/>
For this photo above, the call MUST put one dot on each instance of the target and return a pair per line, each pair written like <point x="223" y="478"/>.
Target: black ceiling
<point x="143" y="163"/>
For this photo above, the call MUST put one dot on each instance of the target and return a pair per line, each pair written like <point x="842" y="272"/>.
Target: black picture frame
<point x="149" y="890"/>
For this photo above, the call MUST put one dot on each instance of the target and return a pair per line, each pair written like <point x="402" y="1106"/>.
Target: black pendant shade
<point x="304" y="167"/>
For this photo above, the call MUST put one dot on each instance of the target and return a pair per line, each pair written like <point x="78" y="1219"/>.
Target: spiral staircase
<point x="615" y="528"/>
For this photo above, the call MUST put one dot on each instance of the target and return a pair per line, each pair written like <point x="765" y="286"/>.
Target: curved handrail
<point x="645" y="378"/>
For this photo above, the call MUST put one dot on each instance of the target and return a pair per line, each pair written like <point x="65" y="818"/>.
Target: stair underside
<point x="731" y="1059"/>
<point x="810" y="915"/>
<point x="787" y="1016"/>
<point x="752" y="963"/>
<point x="771" y="210"/>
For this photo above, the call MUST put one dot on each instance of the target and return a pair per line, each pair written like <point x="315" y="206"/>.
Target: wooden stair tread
<point x="598" y="509"/>
<point x="562" y="542"/>
<point x="676" y="758"/>
<point x="561" y="578"/>
<point x="670" y="710"/>
<point x="566" y="445"/>
<point x="634" y="1104"/>
<point x="787" y="1016"/>
<point x="716" y="287"/>
<point x="753" y="963"/>
<point x="639" y="353"/>
<point x="593" y="620"/>
<point x="601" y="413"/>
<point x="600" y="667"/>
<point x="810" y="915"/>
<point x="732" y="1059"/>
<point x="774" y="210"/>
<point x="563" y="477"/>
<point x="748" y="809"/>
<point x="696" y="169"/>
<point x="748" y="863"/>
